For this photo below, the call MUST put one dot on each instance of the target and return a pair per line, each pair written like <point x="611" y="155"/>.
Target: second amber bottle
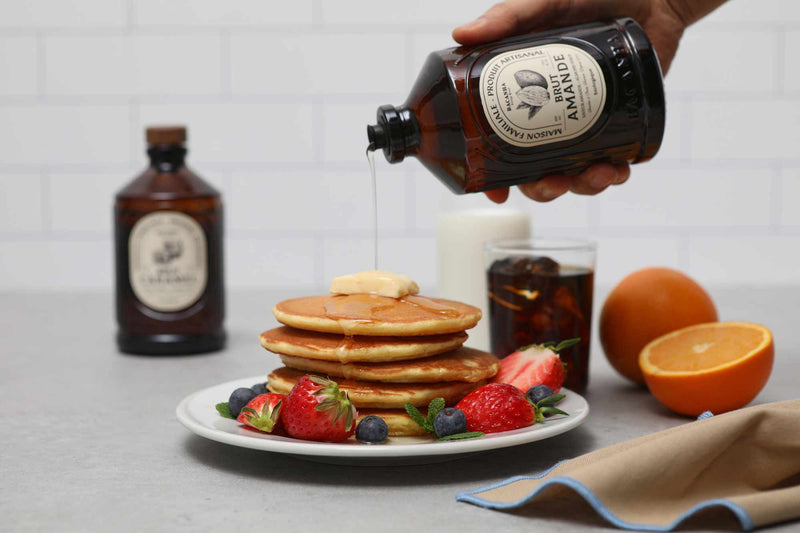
<point x="169" y="269"/>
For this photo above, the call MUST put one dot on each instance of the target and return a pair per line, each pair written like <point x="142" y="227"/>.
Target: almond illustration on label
<point x="528" y="78"/>
<point x="533" y="91"/>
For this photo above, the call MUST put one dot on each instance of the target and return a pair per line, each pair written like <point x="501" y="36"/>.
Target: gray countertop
<point x="90" y="441"/>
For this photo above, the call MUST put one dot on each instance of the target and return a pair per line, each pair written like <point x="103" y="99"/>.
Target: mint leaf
<point x="460" y="436"/>
<point x="547" y="411"/>
<point x="417" y="417"/>
<point x="550" y="400"/>
<point x="566" y="344"/>
<point x="552" y="345"/>
<point x="436" y="405"/>
<point x="224" y="410"/>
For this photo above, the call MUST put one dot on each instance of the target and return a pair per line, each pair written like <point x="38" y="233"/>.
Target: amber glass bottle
<point x="516" y="110"/>
<point x="168" y="237"/>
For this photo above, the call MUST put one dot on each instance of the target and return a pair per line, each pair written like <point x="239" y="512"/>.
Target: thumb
<point x="511" y="18"/>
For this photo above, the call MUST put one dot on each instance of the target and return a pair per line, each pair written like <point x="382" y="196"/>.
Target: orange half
<point x="717" y="367"/>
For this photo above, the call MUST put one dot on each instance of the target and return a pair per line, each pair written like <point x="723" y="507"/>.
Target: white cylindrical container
<point x="461" y="272"/>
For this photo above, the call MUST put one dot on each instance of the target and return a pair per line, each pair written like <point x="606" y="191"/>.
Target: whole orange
<point x="645" y="305"/>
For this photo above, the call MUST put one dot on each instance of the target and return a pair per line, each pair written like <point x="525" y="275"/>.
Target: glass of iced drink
<point x="540" y="291"/>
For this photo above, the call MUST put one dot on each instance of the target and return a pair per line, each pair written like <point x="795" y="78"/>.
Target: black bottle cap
<point x="377" y="136"/>
<point x="396" y="132"/>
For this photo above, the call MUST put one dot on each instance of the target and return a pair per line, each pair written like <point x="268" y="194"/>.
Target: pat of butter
<point x="379" y="282"/>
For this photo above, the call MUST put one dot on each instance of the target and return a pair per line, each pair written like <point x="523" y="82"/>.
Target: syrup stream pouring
<point x="371" y="160"/>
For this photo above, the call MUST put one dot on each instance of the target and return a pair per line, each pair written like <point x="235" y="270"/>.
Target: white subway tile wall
<point x="18" y="74"/>
<point x="21" y="204"/>
<point x="789" y="188"/>
<point x="277" y="101"/>
<point x="49" y="135"/>
<point x="133" y="65"/>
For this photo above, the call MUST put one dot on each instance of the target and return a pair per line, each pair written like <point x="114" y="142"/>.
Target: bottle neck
<point x="397" y="133"/>
<point x="166" y="159"/>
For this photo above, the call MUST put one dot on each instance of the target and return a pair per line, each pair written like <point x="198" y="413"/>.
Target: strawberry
<point x="496" y="407"/>
<point x="315" y="409"/>
<point x="531" y="365"/>
<point x="262" y="412"/>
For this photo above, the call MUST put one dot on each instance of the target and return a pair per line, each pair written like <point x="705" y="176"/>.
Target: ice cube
<point x="520" y="266"/>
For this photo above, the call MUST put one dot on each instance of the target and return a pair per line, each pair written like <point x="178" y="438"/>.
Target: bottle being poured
<point x="514" y="111"/>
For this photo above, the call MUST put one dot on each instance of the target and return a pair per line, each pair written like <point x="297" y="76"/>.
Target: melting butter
<point x="378" y="282"/>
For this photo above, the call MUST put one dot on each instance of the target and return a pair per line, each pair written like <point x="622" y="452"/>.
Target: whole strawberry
<point x="262" y="412"/>
<point x="316" y="409"/>
<point x="496" y="407"/>
<point x="530" y="366"/>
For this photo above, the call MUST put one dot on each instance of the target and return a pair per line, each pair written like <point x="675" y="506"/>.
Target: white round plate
<point x="198" y="413"/>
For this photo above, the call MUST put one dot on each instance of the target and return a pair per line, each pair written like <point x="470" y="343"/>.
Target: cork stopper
<point x="166" y="135"/>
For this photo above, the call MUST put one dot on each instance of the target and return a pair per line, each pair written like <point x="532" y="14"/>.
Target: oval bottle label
<point x="168" y="265"/>
<point x="542" y="94"/>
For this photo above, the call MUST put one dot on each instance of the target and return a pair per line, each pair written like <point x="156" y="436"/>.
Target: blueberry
<point x="538" y="393"/>
<point x="259" y="388"/>
<point x="239" y="398"/>
<point x="372" y="430"/>
<point x="450" y="421"/>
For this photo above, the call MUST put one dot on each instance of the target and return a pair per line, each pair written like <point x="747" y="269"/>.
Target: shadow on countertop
<point x="482" y="467"/>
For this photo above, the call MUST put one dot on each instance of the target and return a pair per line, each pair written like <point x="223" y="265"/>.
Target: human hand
<point x="663" y="20"/>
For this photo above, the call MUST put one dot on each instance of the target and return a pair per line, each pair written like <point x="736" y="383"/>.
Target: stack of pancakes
<point x="383" y="351"/>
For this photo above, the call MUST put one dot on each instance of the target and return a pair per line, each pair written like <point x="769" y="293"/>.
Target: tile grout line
<point x="130" y="15"/>
<point x="319" y="259"/>
<point x="776" y="199"/>
<point x="47" y="202"/>
<point x="355" y="165"/>
<point x="318" y="129"/>
<point x="225" y="70"/>
<point x="193" y="99"/>
<point x="133" y="129"/>
<point x="317" y="15"/>
<point x="334" y="97"/>
<point x="686" y="132"/>
<point x="317" y="23"/>
<point x="365" y="235"/>
<point x="410" y="189"/>
<point x="780" y="63"/>
<point x="41" y="67"/>
<point x="409" y="63"/>
<point x="684" y="253"/>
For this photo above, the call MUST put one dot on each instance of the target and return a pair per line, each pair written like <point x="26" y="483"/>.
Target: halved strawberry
<point x="262" y="412"/>
<point x="532" y="365"/>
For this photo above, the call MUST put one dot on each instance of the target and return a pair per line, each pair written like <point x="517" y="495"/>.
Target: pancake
<point x="367" y="314"/>
<point x="332" y="347"/>
<point x="400" y="424"/>
<point x="380" y="395"/>
<point x="462" y="364"/>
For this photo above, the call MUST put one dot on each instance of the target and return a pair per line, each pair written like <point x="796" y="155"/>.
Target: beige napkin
<point x="747" y="461"/>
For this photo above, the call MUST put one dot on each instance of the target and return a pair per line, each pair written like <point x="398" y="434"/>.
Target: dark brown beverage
<point x="168" y="238"/>
<point x="536" y="300"/>
<point x="516" y="110"/>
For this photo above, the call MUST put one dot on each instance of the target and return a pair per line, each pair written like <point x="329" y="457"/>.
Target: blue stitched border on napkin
<point x="592" y="499"/>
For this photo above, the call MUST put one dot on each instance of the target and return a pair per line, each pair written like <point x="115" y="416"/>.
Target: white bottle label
<point x="168" y="266"/>
<point x="542" y="94"/>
